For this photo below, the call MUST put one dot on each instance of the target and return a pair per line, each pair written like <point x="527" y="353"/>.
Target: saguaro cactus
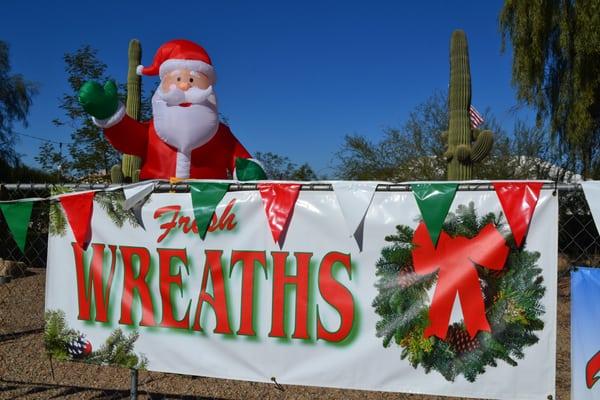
<point x="129" y="170"/>
<point x="466" y="145"/>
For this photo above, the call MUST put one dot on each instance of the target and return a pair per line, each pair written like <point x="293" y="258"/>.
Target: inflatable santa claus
<point x="185" y="138"/>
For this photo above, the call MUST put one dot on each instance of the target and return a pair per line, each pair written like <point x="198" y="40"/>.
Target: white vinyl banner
<point x="314" y="309"/>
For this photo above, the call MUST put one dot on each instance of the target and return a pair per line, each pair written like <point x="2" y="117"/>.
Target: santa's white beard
<point x="185" y="128"/>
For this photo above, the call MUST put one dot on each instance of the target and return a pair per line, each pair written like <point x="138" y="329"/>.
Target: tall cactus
<point x="129" y="170"/>
<point x="465" y="145"/>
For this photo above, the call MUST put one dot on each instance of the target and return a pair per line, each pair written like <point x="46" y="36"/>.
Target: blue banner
<point x="585" y="337"/>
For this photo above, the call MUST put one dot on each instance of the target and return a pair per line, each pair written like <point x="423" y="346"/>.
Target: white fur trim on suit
<point x="111" y="121"/>
<point x="138" y="69"/>
<point x="182" y="165"/>
<point x="193" y="65"/>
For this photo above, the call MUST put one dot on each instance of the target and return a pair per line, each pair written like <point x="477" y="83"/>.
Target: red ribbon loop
<point x="455" y="259"/>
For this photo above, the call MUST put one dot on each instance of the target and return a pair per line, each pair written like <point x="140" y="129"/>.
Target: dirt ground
<point x="26" y="372"/>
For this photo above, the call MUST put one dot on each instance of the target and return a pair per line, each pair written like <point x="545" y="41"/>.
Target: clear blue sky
<point x="294" y="77"/>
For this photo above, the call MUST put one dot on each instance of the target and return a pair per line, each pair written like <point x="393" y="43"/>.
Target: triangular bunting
<point x="135" y="198"/>
<point x="518" y="200"/>
<point x="17" y="216"/>
<point x="354" y="199"/>
<point x="137" y="213"/>
<point x="78" y="208"/>
<point x="591" y="189"/>
<point x="434" y="201"/>
<point x="206" y="196"/>
<point x="135" y="194"/>
<point x="279" y="200"/>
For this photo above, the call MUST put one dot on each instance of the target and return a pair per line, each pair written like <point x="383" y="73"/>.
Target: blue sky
<point x="294" y="77"/>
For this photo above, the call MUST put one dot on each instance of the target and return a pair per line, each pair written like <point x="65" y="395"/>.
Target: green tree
<point x="416" y="150"/>
<point x="52" y="160"/>
<point x="90" y="152"/>
<point x="413" y="152"/>
<point x="281" y="168"/>
<point x="556" y="48"/>
<point x="16" y="95"/>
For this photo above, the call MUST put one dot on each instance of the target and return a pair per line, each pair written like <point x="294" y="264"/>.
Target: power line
<point x="42" y="139"/>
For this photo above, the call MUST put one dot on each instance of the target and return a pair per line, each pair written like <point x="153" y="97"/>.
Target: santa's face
<point x="184" y="110"/>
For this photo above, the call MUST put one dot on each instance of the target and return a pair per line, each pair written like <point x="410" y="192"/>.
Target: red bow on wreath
<point x="455" y="258"/>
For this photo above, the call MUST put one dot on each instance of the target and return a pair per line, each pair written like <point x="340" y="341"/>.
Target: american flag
<point x="475" y="117"/>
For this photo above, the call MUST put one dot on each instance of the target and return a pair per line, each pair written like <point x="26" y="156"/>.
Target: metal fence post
<point x="134" y="384"/>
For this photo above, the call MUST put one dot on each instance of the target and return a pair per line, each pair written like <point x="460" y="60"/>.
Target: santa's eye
<point x="191" y="79"/>
<point x="178" y="79"/>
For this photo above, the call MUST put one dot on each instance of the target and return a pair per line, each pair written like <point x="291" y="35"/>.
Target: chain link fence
<point x="578" y="239"/>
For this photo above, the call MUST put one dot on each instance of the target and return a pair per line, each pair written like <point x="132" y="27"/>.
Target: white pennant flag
<point x="591" y="189"/>
<point x="354" y="199"/>
<point x="135" y="197"/>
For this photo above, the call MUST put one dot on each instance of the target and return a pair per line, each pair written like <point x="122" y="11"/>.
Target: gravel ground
<point x="27" y="373"/>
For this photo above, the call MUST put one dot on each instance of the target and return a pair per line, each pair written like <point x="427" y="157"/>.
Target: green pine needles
<point x="512" y="299"/>
<point x="118" y="349"/>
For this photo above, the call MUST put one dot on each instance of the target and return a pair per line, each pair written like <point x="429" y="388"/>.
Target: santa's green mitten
<point x="99" y="101"/>
<point x="249" y="170"/>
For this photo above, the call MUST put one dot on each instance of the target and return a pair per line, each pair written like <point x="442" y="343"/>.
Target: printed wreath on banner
<point x="511" y="295"/>
<point x="66" y="344"/>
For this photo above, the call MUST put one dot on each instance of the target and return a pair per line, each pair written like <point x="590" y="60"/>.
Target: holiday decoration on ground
<point x="518" y="200"/>
<point x="206" y="196"/>
<point x="64" y="343"/>
<point x="354" y="199"/>
<point x="17" y="215"/>
<point x="79" y="207"/>
<point x="185" y="138"/>
<point x="279" y="200"/>
<point x="434" y="201"/>
<point x="465" y="145"/>
<point x="500" y="292"/>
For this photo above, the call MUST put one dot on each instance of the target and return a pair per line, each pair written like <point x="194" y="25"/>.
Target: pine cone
<point x="458" y="338"/>
<point x="79" y="347"/>
<point x="407" y="278"/>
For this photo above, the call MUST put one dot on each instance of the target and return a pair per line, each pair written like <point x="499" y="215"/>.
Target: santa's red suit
<point x="214" y="160"/>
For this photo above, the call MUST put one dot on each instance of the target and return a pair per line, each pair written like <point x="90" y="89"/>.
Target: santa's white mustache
<point x="194" y="95"/>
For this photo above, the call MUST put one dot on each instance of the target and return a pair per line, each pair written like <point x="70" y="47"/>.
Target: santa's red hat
<point x="178" y="54"/>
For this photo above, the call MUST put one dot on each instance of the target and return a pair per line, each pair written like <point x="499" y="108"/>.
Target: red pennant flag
<point x="78" y="208"/>
<point x="518" y="200"/>
<point x="279" y="200"/>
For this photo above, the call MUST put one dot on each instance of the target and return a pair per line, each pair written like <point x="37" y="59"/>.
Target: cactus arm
<point x="482" y="146"/>
<point x="116" y="174"/>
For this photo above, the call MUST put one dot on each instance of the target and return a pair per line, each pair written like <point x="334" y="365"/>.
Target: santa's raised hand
<point x="99" y="101"/>
<point x="185" y="138"/>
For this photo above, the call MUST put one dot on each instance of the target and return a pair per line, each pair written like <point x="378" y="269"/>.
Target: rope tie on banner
<point x="277" y="385"/>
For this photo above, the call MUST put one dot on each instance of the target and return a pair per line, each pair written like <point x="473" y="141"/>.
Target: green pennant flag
<point x="17" y="216"/>
<point x="206" y="196"/>
<point x="434" y="200"/>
